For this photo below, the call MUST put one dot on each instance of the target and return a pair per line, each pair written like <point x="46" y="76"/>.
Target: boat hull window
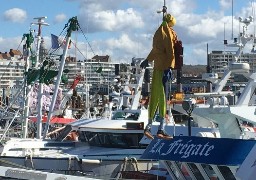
<point x="126" y="116"/>
<point x="113" y="140"/>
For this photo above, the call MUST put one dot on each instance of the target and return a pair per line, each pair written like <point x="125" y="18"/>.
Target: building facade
<point x="93" y="72"/>
<point x="11" y="68"/>
<point x="219" y="60"/>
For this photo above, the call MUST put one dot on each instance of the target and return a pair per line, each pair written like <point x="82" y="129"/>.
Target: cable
<point x="86" y="39"/>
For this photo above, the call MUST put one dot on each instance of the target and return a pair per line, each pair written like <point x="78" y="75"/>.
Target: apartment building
<point x="11" y="68"/>
<point x="219" y="60"/>
<point x="95" y="71"/>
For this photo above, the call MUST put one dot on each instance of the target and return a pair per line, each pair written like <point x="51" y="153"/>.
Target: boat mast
<point x="26" y="53"/>
<point x="232" y="35"/>
<point x="40" y="23"/>
<point x="73" y="26"/>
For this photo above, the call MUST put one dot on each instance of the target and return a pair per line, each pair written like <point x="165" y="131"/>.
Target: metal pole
<point x="25" y="95"/>
<point x="40" y="91"/>
<point x="57" y="84"/>
<point x="208" y="69"/>
<point x="189" y="124"/>
<point x="73" y="26"/>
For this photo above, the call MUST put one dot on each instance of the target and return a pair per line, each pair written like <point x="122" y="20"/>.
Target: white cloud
<point x="15" y="15"/>
<point x="177" y="7"/>
<point x="123" y="42"/>
<point x="225" y="4"/>
<point x="9" y="43"/>
<point x="60" y="18"/>
<point x="207" y="27"/>
<point x="128" y="31"/>
<point x="109" y="20"/>
<point x="124" y="29"/>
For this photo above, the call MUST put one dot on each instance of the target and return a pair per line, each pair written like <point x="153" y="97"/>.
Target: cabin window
<point x="113" y="140"/>
<point x="126" y="116"/>
<point x="16" y="149"/>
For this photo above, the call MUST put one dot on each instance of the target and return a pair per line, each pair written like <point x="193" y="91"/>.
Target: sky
<point x="124" y="29"/>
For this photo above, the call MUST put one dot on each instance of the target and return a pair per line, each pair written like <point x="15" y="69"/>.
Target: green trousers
<point x="157" y="97"/>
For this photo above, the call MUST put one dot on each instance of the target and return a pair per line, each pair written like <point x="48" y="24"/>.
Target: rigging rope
<point x="86" y="39"/>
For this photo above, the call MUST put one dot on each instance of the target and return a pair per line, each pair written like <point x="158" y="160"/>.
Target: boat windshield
<point x="112" y="140"/>
<point x="121" y="115"/>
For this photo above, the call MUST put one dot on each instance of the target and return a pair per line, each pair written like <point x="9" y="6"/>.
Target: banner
<point x="217" y="151"/>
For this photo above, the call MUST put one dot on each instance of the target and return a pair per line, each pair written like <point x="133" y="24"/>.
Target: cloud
<point x="15" y="15"/>
<point x="129" y="26"/>
<point x="123" y="42"/>
<point x="109" y="20"/>
<point x="60" y="18"/>
<point x="130" y="30"/>
<point x="124" y="29"/>
<point x="9" y="43"/>
<point x="225" y="4"/>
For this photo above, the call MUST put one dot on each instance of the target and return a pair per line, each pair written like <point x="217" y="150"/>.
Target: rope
<point x="9" y="125"/>
<point x="123" y="168"/>
<point x="86" y="39"/>
<point x="19" y="44"/>
<point x="31" y="159"/>
<point x="136" y="163"/>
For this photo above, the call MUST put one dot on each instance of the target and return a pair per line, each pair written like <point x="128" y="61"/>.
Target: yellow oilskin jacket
<point x="162" y="52"/>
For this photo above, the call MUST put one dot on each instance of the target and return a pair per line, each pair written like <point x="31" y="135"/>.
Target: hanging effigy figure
<point x="163" y="55"/>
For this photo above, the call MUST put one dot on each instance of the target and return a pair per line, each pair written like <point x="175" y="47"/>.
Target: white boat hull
<point x="72" y="166"/>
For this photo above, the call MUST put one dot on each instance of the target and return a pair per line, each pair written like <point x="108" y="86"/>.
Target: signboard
<point x="218" y="151"/>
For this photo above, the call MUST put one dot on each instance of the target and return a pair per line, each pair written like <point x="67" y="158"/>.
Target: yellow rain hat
<point x="169" y="19"/>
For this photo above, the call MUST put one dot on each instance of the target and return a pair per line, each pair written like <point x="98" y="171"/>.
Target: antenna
<point x="232" y="34"/>
<point x="40" y="22"/>
<point x="164" y="10"/>
<point x="253" y="15"/>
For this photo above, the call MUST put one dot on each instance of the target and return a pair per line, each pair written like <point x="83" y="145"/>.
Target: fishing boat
<point x="231" y="155"/>
<point x="106" y="146"/>
<point x="223" y="108"/>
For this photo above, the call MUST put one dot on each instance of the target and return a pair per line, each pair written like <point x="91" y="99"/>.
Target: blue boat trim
<point x="217" y="151"/>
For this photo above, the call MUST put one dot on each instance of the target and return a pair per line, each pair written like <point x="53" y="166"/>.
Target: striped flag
<point x="64" y="43"/>
<point x="55" y="41"/>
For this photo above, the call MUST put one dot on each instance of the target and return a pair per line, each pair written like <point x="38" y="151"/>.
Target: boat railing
<point x="221" y="98"/>
<point x="186" y="170"/>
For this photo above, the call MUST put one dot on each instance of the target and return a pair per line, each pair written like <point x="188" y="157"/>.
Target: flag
<point x="69" y="45"/>
<point x="55" y="41"/>
<point x="63" y="44"/>
<point x="76" y="81"/>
